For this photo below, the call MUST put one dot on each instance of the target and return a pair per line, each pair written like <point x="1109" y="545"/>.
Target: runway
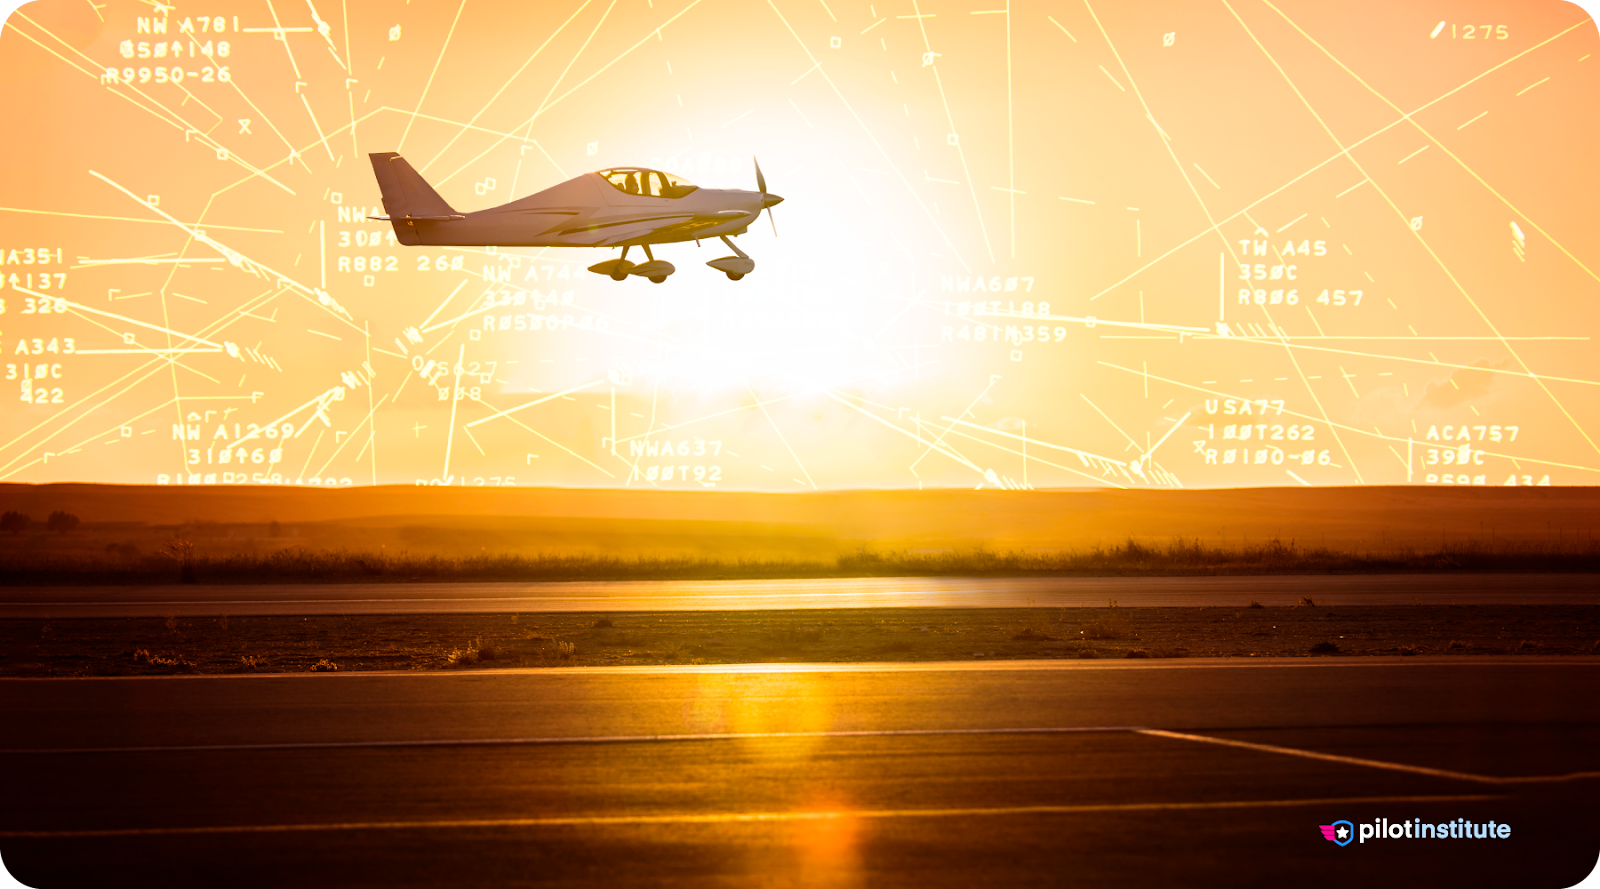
<point x="873" y="592"/>
<point x="1024" y="773"/>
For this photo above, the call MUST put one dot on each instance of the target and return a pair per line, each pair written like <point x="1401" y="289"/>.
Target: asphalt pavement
<point x="746" y="595"/>
<point x="1022" y="773"/>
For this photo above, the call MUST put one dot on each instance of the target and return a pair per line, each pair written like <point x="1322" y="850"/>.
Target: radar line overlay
<point x="1024" y="245"/>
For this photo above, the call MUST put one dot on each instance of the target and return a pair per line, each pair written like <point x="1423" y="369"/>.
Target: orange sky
<point x="1010" y="252"/>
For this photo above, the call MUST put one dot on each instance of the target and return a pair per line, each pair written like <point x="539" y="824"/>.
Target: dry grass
<point x="299" y="643"/>
<point x="180" y="564"/>
<point x="1102" y="628"/>
<point x="794" y="634"/>
<point x="172" y="661"/>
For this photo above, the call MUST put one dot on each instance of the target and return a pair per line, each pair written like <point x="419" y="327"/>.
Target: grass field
<point x="292" y="643"/>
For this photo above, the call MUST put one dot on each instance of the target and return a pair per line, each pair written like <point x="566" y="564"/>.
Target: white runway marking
<point x="1369" y="763"/>
<point x="735" y="817"/>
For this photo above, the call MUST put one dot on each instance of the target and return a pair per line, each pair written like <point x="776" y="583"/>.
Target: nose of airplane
<point x="770" y="200"/>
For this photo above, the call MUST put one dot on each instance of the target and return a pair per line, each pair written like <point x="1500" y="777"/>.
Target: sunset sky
<point x="1139" y="244"/>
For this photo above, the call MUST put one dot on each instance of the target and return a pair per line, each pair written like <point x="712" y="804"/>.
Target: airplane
<point x="622" y="207"/>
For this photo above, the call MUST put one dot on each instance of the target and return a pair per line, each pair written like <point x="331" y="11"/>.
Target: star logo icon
<point x="1338" y="832"/>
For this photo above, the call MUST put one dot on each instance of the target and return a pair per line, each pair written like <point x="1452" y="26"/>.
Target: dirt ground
<point x="153" y="646"/>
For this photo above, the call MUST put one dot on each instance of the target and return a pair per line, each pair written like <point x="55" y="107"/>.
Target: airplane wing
<point x="676" y="226"/>
<point x="601" y="234"/>
<point x="691" y="228"/>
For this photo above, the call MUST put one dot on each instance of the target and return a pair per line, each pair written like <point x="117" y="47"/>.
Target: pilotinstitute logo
<point x="1342" y="832"/>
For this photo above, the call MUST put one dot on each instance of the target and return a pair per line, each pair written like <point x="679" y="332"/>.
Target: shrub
<point x="455" y="657"/>
<point x="182" y="552"/>
<point x="1306" y="601"/>
<point x="61" y="522"/>
<point x="1088" y="653"/>
<point x="324" y="666"/>
<point x="1325" y="648"/>
<point x="1137" y="653"/>
<point x="13" y="521"/>
<point x="604" y="623"/>
<point x="1257" y="605"/>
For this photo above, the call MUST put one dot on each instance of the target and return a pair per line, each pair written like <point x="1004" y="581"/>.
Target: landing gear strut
<point x="654" y="279"/>
<point x="735" y="267"/>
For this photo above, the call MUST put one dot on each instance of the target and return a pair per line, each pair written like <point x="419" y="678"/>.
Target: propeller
<point x="768" y="201"/>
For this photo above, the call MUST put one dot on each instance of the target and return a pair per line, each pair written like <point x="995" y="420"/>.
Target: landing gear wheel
<point x="734" y="277"/>
<point x="658" y="279"/>
<point x="619" y="276"/>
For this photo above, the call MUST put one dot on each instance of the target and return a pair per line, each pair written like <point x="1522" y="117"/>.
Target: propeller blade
<point x="774" y="221"/>
<point x="761" y="181"/>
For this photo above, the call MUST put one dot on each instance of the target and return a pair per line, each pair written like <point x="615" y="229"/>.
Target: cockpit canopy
<point x="647" y="183"/>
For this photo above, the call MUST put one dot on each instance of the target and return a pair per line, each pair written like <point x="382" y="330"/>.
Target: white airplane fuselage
<point x="624" y="207"/>
<point x="586" y="211"/>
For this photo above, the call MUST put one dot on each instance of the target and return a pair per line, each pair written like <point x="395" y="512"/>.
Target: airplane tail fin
<point x="408" y="198"/>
